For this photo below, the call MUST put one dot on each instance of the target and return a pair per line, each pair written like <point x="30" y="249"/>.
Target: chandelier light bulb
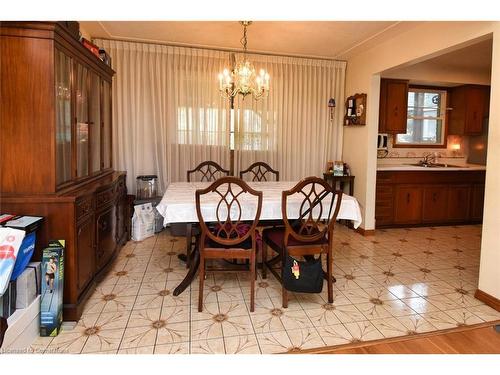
<point x="242" y="78"/>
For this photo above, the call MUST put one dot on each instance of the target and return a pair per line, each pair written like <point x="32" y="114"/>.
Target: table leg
<point x="194" y="262"/>
<point x="189" y="237"/>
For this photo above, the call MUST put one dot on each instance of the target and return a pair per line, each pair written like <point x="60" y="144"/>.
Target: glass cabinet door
<point x="106" y="124"/>
<point x="95" y="123"/>
<point x="82" y="121"/>
<point x="63" y="117"/>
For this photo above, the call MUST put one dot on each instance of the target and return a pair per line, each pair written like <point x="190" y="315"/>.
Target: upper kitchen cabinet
<point x="393" y="106"/>
<point x="469" y="105"/>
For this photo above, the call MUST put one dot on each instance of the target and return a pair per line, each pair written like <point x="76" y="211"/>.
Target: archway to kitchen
<point x="396" y="56"/>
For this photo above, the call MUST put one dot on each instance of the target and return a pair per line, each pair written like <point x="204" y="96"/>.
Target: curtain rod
<point x="220" y="49"/>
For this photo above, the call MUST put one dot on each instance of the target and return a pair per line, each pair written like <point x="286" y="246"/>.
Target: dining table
<point x="178" y="206"/>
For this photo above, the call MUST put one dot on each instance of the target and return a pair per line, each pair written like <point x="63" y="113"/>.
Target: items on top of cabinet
<point x="355" y="110"/>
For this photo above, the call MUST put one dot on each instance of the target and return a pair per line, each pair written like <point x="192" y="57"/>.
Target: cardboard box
<point x="26" y="288"/>
<point x="37" y="267"/>
<point x="51" y="303"/>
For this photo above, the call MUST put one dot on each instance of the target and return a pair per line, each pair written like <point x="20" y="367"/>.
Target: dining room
<point x="217" y="187"/>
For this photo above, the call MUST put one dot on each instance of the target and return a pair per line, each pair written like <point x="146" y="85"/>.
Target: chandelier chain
<point x="243" y="40"/>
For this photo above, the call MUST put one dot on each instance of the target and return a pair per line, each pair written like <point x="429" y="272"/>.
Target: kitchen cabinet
<point x="435" y="203"/>
<point x="408" y="204"/>
<point x="469" y="105"/>
<point x="385" y="204"/>
<point x="57" y="151"/>
<point x="393" y="107"/>
<point x="458" y="202"/>
<point x="412" y="198"/>
<point x="477" y="202"/>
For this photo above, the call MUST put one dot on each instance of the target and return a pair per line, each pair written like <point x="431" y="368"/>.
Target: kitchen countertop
<point x="407" y="167"/>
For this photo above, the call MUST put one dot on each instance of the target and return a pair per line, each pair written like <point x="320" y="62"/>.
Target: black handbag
<point x="302" y="276"/>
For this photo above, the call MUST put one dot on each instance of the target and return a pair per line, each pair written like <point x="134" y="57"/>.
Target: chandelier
<point x="242" y="79"/>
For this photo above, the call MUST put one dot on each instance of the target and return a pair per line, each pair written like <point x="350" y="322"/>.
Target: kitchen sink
<point x="437" y="165"/>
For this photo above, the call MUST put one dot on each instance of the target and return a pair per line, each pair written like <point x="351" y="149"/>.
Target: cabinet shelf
<point x="56" y="138"/>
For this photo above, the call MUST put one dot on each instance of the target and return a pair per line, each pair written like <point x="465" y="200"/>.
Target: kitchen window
<point x="426" y="121"/>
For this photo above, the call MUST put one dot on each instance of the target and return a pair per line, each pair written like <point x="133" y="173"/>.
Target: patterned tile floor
<point x="398" y="282"/>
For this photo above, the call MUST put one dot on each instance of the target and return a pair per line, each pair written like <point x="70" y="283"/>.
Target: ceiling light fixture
<point x="242" y="78"/>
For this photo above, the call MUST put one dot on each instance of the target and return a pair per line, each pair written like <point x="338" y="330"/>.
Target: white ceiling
<point x="471" y="64"/>
<point x="328" y="39"/>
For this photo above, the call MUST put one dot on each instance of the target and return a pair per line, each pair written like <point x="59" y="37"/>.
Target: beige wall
<point x="420" y="42"/>
<point x="489" y="269"/>
<point x="84" y="33"/>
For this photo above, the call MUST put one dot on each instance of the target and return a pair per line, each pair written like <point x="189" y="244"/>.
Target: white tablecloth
<point x="178" y="203"/>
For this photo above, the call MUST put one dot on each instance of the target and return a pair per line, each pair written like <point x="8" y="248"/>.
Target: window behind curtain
<point x="201" y="126"/>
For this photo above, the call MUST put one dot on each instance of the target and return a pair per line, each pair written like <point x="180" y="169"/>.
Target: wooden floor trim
<point x="365" y="232"/>
<point x="487" y="299"/>
<point x="329" y="349"/>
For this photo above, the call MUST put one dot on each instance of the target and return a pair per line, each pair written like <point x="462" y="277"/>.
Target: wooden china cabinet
<point x="56" y="150"/>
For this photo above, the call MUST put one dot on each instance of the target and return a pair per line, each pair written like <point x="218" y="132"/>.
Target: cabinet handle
<point x="434" y="197"/>
<point x="407" y="197"/>
<point x="103" y="225"/>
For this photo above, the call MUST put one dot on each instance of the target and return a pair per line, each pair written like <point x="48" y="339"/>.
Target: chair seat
<point x="242" y="229"/>
<point x="274" y="238"/>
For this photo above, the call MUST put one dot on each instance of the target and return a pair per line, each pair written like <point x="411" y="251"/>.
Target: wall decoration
<point x="355" y="110"/>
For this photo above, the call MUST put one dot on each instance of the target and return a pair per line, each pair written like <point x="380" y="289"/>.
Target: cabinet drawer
<point x="384" y="196"/>
<point x="84" y="206"/>
<point x="384" y="178"/>
<point x="106" y="196"/>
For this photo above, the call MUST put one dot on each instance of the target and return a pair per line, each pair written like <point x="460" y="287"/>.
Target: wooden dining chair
<point x="259" y="170"/>
<point x="315" y="204"/>
<point x="227" y="237"/>
<point x="208" y="171"/>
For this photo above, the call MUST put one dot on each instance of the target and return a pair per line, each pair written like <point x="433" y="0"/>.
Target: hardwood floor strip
<point x="473" y="339"/>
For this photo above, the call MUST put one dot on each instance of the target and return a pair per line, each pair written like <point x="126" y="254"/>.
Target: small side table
<point x="332" y="180"/>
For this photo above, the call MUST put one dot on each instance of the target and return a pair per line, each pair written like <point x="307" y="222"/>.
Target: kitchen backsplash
<point x="457" y="147"/>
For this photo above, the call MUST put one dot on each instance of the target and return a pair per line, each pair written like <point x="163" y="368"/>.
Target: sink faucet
<point x="428" y="159"/>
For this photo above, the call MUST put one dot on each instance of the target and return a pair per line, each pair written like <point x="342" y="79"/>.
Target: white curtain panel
<point x="291" y="130"/>
<point x="168" y="115"/>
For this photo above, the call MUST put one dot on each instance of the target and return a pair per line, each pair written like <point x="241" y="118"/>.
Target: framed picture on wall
<point x="338" y="168"/>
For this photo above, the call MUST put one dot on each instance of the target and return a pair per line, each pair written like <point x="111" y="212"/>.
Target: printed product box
<point x="51" y="304"/>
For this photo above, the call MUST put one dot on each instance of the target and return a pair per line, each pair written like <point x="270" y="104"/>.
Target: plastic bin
<point x="147" y="187"/>
<point x="29" y="224"/>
